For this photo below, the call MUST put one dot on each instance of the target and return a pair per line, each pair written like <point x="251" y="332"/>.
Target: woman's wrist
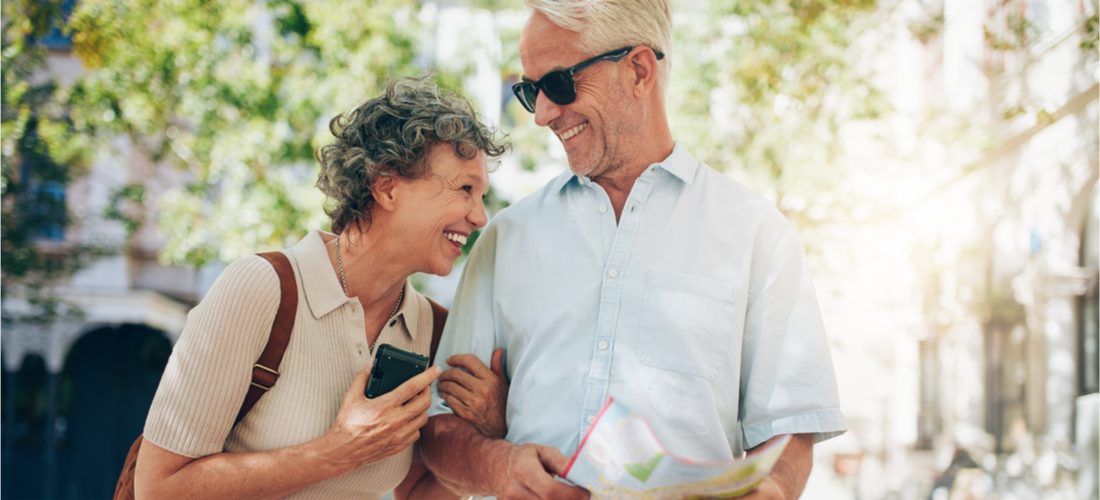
<point x="324" y="452"/>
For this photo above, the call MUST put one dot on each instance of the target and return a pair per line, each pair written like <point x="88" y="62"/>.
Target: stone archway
<point x="70" y="430"/>
<point x="25" y="436"/>
<point x="107" y="385"/>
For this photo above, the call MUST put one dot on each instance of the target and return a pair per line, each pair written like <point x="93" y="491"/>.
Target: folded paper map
<point x="620" y="459"/>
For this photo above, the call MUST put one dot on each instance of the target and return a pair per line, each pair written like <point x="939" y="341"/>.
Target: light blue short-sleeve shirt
<point x="695" y="310"/>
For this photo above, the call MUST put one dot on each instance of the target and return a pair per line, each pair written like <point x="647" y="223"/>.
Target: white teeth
<point x="455" y="237"/>
<point x="573" y="131"/>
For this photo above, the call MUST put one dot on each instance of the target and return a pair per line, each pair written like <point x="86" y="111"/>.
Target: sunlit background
<point x="938" y="157"/>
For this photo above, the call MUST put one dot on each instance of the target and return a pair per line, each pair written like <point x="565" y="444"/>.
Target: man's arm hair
<point x="471" y="464"/>
<point x="788" y="477"/>
<point x="458" y="455"/>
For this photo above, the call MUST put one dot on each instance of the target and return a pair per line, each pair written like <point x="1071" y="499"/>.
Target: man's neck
<point x="617" y="183"/>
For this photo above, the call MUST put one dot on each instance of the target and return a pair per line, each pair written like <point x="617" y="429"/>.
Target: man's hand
<point x="789" y="475"/>
<point x="468" y="463"/>
<point x="768" y="489"/>
<point x="529" y="472"/>
<point x="476" y="393"/>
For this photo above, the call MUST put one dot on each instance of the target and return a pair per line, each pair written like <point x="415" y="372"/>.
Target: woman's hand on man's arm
<point x="477" y="393"/>
<point x="365" y="431"/>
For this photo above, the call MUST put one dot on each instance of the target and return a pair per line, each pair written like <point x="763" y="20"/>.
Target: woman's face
<point x="439" y="211"/>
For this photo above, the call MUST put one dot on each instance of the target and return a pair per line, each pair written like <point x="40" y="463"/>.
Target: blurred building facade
<point x="1023" y="268"/>
<point x="1002" y="348"/>
<point x="76" y="389"/>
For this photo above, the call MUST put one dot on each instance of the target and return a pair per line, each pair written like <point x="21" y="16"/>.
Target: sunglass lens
<point x="558" y="86"/>
<point x="526" y="92"/>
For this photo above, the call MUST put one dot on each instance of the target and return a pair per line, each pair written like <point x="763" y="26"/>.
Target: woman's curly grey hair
<point x="393" y="135"/>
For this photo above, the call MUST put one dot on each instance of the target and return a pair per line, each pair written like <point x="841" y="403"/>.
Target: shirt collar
<point x="322" y="289"/>
<point x="680" y="164"/>
<point x="409" y="312"/>
<point x="320" y="284"/>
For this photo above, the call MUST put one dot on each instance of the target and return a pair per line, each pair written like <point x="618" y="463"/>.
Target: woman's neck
<point x="372" y="270"/>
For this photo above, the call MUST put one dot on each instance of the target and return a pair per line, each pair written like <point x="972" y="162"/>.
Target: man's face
<point x="597" y="127"/>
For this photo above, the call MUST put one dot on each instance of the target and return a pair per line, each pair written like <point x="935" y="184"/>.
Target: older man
<point x="642" y="274"/>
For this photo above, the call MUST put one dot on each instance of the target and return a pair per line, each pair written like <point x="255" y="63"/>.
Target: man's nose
<point x="545" y="110"/>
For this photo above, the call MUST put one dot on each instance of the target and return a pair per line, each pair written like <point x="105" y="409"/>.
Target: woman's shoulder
<point x="250" y="281"/>
<point x="252" y="269"/>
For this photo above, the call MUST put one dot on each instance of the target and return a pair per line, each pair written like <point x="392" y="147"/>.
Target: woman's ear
<point x="385" y="192"/>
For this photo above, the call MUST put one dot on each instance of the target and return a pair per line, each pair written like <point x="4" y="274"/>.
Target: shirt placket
<point x="611" y="287"/>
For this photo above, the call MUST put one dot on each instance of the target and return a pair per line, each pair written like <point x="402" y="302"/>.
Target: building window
<point x="57" y="38"/>
<point x="47" y="204"/>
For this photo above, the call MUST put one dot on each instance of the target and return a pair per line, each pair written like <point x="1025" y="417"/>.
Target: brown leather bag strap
<point x="439" y="318"/>
<point x="266" y="370"/>
<point x="264" y="373"/>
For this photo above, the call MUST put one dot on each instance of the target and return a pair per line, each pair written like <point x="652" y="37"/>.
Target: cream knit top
<point x="210" y="369"/>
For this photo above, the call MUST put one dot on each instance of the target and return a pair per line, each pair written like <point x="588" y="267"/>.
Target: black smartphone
<point x="392" y="367"/>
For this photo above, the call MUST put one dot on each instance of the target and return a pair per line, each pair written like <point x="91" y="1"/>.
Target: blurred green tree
<point x="43" y="154"/>
<point x="762" y="90"/>
<point x="236" y="94"/>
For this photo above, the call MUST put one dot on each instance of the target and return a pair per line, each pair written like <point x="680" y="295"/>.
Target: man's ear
<point x="385" y="191"/>
<point x="644" y="64"/>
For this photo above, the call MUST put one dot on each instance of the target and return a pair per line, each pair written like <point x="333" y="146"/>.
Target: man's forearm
<point x="459" y="456"/>
<point x="793" y="467"/>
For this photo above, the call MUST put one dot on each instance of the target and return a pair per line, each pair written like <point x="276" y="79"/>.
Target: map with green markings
<point x="621" y="459"/>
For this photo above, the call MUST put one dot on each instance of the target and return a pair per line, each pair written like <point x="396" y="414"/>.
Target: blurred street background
<point x="938" y="157"/>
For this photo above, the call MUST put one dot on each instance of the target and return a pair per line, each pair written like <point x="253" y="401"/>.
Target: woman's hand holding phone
<point x="369" y="430"/>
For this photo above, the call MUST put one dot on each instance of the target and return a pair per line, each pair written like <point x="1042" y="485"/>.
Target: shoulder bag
<point x="264" y="373"/>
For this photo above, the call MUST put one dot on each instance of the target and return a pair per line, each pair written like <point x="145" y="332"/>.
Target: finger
<point x="454" y="391"/>
<point x="497" y="363"/>
<point x="420" y="420"/>
<point x="458" y="406"/>
<point x="413" y="425"/>
<point x="413" y="386"/>
<point x="559" y="490"/>
<point x="415" y="405"/>
<point x="543" y="481"/>
<point x="461" y="409"/>
<point x="461" y="377"/>
<point x="358" y="385"/>
<point x="419" y="404"/>
<point x="471" y="363"/>
<point x="553" y="460"/>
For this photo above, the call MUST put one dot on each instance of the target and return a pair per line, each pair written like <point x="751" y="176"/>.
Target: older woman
<point x="406" y="176"/>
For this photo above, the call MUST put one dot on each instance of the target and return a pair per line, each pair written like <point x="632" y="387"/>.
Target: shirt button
<point x="603" y="345"/>
<point x="359" y="348"/>
<point x="591" y="418"/>
<point x="603" y="208"/>
<point x="613" y="273"/>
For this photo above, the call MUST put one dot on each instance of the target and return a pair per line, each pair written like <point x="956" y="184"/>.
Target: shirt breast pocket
<point x="685" y="323"/>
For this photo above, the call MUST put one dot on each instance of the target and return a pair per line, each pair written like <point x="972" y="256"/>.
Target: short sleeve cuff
<point x="824" y="424"/>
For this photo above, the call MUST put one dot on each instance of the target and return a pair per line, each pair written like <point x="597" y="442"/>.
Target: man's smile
<point x="568" y="134"/>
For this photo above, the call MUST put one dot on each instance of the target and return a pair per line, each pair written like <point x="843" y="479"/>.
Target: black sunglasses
<point x="558" y="84"/>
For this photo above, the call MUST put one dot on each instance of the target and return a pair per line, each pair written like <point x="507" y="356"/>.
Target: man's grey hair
<point x="606" y="25"/>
